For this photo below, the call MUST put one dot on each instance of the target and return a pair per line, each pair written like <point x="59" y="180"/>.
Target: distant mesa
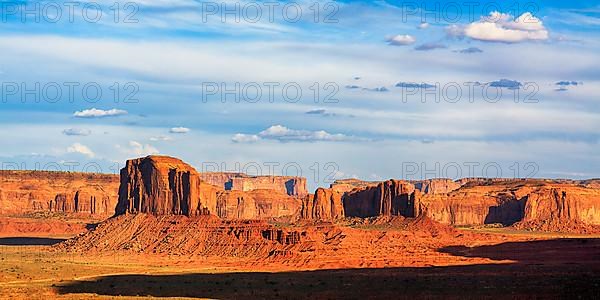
<point x="535" y="204"/>
<point x="290" y="185"/>
<point x="26" y="192"/>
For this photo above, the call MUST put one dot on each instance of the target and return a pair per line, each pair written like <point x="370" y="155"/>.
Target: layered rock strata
<point x="26" y="192"/>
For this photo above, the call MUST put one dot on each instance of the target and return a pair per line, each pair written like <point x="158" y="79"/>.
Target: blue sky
<point x="373" y="58"/>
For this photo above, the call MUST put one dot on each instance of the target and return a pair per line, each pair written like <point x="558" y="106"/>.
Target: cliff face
<point x="23" y="192"/>
<point x="347" y="185"/>
<point x="325" y="204"/>
<point x="161" y="185"/>
<point x="292" y="186"/>
<point x="472" y="208"/>
<point x="508" y="202"/>
<point x="437" y="186"/>
<point x="564" y="203"/>
<point x="427" y="186"/>
<point x="256" y="204"/>
<point x="465" y="202"/>
<point x="220" y="179"/>
<point x="388" y="198"/>
<point x="83" y="201"/>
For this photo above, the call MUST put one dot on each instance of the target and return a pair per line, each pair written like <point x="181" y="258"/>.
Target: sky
<point x="320" y="89"/>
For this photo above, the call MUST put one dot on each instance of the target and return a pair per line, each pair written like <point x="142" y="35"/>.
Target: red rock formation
<point x="513" y="201"/>
<point x="256" y="204"/>
<point x="346" y="185"/>
<point x="281" y="236"/>
<point x="24" y="192"/>
<point x="388" y="198"/>
<point x="325" y="204"/>
<point x="220" y="179"/>
<point x="171" y="234"/>
<point x="470" y="207"/>
<point x="427" y="186"/>
<point x="563" y="203"/>
<point x="437" y="185"/>
<point x="472" y="201"/>
<point x="293" y="186"/>
<point x="161" y="185"/>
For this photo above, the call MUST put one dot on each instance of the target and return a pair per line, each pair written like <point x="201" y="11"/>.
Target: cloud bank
<point x="284" y="134"/>
<point x="500" y="27"/>
<point x="99" y="113"/>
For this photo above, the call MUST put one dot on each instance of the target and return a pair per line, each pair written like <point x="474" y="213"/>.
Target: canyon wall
<point x="25" y="192"/>
<point x="293" y="186"/>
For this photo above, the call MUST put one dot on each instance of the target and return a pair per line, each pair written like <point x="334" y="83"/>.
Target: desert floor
<point x="504" y="264"/>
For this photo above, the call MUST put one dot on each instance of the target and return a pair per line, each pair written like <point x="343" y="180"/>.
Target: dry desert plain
<point x="177" y="233"/>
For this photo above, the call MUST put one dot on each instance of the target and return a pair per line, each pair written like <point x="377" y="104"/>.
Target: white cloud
<point x="99" y="113"/>
<point x="162" y="138"/>
<point x="138" y="149"/>
<point x="526" y="22"/>
<point x="455" y="31"/>
<point x="77" y="131"/>
<point x="499" y="27"/>
<point x="245" y="138"/>
<point x="81" y="149"/>
<point x="179" y="130"/>
<point x="284" y="134"/>
<point x="423" y="25"/>
<point x="401" y="40"/>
